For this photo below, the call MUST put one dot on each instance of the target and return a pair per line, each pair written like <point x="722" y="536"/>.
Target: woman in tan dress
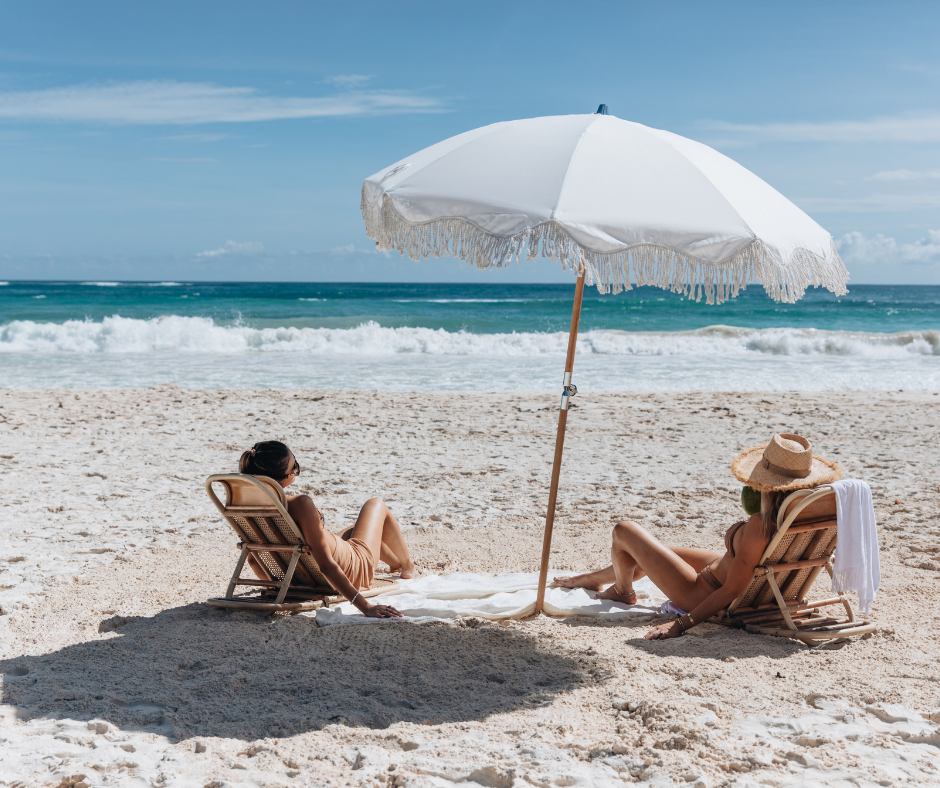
<point x="706" y="581"/>
<point x="348" y="559"/>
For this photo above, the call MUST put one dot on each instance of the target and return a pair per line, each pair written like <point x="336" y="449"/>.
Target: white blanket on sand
<point x="492" y="597"/>
<point x="857" y="566"/>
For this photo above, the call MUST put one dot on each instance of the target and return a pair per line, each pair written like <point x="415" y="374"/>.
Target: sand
<point x="116" y="673"/>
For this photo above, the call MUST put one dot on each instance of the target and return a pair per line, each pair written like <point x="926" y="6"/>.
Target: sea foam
<point x="179" y="334"/>
<point x="131" y="284"/>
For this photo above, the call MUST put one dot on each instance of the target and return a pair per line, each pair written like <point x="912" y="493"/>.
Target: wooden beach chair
<point x="776" y="601"/>
<point x="256" y="508"/>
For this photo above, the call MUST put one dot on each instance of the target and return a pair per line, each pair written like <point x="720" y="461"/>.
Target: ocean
<point x="480" y="337"/>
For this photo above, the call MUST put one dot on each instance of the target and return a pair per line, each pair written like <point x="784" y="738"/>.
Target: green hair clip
<point x="750" y="500"/>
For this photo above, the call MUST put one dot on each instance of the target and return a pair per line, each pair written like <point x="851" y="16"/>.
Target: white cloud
<point x="348" y="80"/>
<point x="917" y="68"/>
<point x="908" y="128"/>
<point x="196" y="137"/>
<point x="234" y="247"/>
<point x="872" y="203"/>
<point x="882" y="250"/>
<point x="351" y="249"/>
<point x="906" y="175"/>
<point x="170" y="102"/>
<point x="182" y="161"/>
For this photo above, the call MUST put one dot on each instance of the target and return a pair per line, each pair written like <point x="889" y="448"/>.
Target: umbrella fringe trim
<point x="644" y="263"/>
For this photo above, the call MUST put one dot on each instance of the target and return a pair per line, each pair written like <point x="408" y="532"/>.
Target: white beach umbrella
<point x="616" y="202"/>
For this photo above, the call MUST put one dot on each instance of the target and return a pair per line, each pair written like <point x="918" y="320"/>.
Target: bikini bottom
<point x="708" y="577"/>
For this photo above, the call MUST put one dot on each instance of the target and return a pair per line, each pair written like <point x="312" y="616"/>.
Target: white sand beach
<point x="115" y="672"/>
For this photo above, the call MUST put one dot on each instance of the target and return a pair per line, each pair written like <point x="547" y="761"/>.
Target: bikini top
<point x="729" y="536"/>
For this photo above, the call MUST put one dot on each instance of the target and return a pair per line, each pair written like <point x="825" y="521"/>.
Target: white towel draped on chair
<point x="857" y="566"/>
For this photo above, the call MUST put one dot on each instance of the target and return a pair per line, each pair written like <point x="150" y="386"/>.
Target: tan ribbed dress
<point x="355" y="559"/>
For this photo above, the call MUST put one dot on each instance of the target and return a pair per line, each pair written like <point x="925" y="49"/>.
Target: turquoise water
<point x="451" y="336"/>
<point x="477" y="309"/>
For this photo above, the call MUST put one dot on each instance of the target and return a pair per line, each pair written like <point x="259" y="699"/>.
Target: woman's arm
<point x="321" y="547"/>
<point x="740" y="575"/>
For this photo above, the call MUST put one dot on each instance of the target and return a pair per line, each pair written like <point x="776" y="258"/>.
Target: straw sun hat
<point x="786" y="463"/>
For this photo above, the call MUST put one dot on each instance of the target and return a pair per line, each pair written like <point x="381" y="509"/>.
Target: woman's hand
<point x="664" y="632"/>
<point x="381" y="611"/>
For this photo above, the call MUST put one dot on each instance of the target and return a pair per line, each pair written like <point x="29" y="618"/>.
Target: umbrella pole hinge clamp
<point x="567" y="392"/>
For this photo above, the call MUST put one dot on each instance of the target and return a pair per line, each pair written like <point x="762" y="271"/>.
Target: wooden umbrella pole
<point x="566" y="395"/>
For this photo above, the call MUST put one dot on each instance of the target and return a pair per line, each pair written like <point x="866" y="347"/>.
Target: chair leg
<point x="288" y="575"/>
<point x="780" y="600"/>
<point x="237" y="573"/>
<point x="845" y="602"/>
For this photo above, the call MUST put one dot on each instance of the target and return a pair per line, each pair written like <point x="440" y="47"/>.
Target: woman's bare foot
<point x="628" y="598"/>
<point x="409" y="572"/>
<point x="592" y="581"/>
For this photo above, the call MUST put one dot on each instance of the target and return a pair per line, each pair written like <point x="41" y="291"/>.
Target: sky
<point x="229" y="140"/>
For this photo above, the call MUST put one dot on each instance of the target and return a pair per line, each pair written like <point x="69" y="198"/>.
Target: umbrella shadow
<point x="200" y="671"/>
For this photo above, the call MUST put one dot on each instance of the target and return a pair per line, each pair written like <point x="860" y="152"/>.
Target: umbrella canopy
<point x="616" y="200"/>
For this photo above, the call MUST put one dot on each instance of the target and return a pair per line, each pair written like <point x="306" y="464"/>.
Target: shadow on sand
<point x="708" y="641"/>
<point x="199" y="671"/>
<point x="720" y="643"/>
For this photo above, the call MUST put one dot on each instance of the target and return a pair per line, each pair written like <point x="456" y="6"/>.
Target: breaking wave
<point x="202" y="335"/>
<point x="132" y="284"/>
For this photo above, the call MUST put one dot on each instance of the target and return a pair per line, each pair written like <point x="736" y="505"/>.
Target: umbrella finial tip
<point x="601" y="109"/>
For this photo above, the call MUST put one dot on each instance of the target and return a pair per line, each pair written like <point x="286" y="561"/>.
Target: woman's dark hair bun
<point x="267" y="458"/>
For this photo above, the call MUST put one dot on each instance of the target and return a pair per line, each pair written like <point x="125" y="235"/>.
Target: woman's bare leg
<point x="378" y="528"/>
<point x="599" y="578"/>
<point x="636" y="553"/>
<point x="592" y="581"/>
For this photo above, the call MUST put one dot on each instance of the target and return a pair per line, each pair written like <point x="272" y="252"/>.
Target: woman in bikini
<point x="348" y="559"/>
<point x="706" y="581"/>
